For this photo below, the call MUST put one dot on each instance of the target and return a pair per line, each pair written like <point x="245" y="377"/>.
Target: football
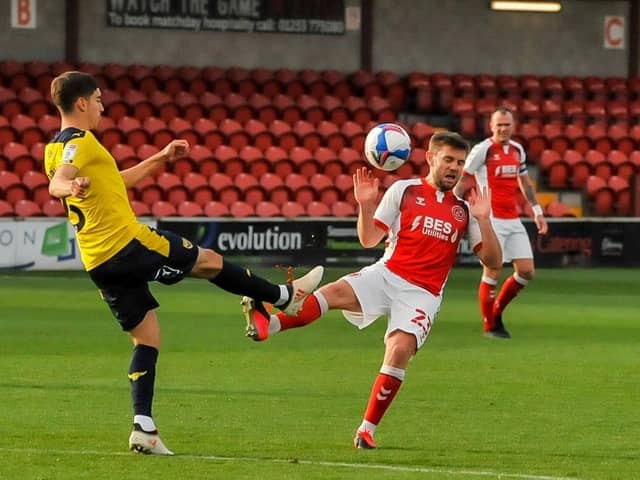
<point x="387" y="146"/>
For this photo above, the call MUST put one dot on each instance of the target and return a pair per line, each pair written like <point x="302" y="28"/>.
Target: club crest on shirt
<point x="69" y="152"/>
<point x="420" y="201"/>
<point x="459" y="213"/>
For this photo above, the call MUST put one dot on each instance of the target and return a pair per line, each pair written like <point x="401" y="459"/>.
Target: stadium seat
<point x="336" y="112"/>
<point x="308" y="136"/>
<point x="183" y="129"/>
<point x="555" y="169"/>
<point x="124" y="155"/>
<point x="343" y="209"/>
<point x="317" y="209"/>
<point x="241" y="210"/>
<point x="19" y="158"/>
<point x="140" y="209"/>
<point x="198" y="188"/>
<point x="261" y="137"/>
<point x="38" y="185"/>
<point x="267" y="209"/>
<point x="224" y="189"/>
<point x="599" y="164"/>
<point x="27" y="208"/>
<point x="163" y="209"/>
<point x="355" y="135"/>
<point x="580" y="168"/>
<point x="173" y="190"/>
<point x="304" y="161"/>
<point x="216" y="209"/>
<point x="251" y="191"/>
<point x="331" y="136"/>
<point x="27" y="130"/>
<point x="49" y="125"/>
<point x="235" y="135"/>
<point x="557" y="209"/>
<point x="203" y="160"/>
<point x="6" y="209"/>
<point x="190" y="209"/>
<point x="622" y="191"/>
<point x="254" y="159"/>
<point x="275" y="189"/>
<point x="148" y="191"/>
<point x="602" y="197"/>
<point x="292" y="210"/>
<point x="279" y="160"/>
<point x="283" y="134"/>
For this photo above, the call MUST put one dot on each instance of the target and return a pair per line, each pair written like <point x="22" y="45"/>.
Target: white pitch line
<point x="320" y="463"/>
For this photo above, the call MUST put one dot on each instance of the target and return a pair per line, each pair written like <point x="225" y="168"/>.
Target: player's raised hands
<point x="175" y="149"/>
<point x="480" y="202"/>
<point x="365" y="186"/>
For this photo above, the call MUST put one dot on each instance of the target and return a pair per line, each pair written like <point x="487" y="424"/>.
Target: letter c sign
<point x="614" y="32"/>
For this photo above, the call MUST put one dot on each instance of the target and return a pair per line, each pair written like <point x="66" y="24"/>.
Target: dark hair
<point x="452" y="139"/>
<point x="68" y="87"/>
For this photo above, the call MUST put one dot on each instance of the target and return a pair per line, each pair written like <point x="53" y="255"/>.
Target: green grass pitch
<point x="559" y="400"/>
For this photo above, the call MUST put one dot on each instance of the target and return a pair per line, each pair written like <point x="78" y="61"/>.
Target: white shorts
<point x="513" y="238"/>
<point x="410" y="308"/>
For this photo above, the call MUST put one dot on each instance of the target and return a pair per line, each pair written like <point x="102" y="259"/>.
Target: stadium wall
<point x="408" y="35"/>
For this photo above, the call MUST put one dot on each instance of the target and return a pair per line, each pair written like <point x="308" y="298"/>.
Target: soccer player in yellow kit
<point x="122" y="255"/>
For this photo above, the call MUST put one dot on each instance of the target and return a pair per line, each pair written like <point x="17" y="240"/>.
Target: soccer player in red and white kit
<point x="424" y="222"/>
<point x="500" y="163"/>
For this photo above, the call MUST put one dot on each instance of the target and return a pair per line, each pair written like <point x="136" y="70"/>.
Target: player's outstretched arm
<point x="365" y="189"/>
<point x="65" y="183"/>
<point x="490" y="252"/>
<point x="174" y="149"/>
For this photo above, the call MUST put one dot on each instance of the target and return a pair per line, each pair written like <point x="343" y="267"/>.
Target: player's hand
<point x="365" y="186"/>
<point x="541" y="223"/>
<point x="80" y="187"/>
<point x="480" y="202"/>
<point x="175" y="149"/>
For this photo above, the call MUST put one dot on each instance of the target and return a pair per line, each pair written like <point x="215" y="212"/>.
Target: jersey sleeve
<point x="389" y="207"/>
<point x="522" y="170"/>
<point x="77" y="152"/>
<point x="473" y="233"/>
<point x="476" y="158"/>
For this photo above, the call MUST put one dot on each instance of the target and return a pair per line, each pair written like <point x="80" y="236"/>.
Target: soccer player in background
<point x="122" y="255"/>
<point x="424" y="222"/>
<point x="500" y="163"/>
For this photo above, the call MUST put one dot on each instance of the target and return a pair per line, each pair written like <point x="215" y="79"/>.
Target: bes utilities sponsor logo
<point x="435" y="227"/>
<point x="270" y="239"/>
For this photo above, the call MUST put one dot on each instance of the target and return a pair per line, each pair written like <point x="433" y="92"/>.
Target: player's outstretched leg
<point x="148" y="443"/>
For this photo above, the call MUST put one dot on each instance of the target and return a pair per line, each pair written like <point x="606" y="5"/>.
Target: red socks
<point x="508" y="292"/>
<point x="384" y="390"/>
<point x="310" y="311"/>
<point x="486" y="297"/>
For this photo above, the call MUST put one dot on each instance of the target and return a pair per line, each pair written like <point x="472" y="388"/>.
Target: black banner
<point x="583" y="242"/>
<point x="266" y="16"/>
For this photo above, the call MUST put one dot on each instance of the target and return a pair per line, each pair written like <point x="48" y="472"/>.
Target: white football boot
<point x="148" y="443"/>
<point x="301" y="288"/>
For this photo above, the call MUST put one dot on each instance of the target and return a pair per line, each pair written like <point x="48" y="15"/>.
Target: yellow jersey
<point x="103" y="220"/>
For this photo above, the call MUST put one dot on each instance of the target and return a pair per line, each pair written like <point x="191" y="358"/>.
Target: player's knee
<point x="208" y="264"/>
<point x="527" y="273"/>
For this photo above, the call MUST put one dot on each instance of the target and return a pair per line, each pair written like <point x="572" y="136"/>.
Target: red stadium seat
<point x="163" y="209"/>
<point x="557" y="209"/>
<point x="580" y="168"/>
<point x="216" y="209"/>
<point x="292" y="210"/>
<point x="27" y="208"/>
<point x="38" y="185"/>
<point x="140" y="209"/>
<point x="6" y="209"/>
<point x="173" y="190"/>
<point x="267" y="209"/>
<point x="53" y="208"/>
<point x="317" y="209"/>
<point x="343" y="209"/>
<point x="190" y="209"/>
<point x="622" y="191"/>
<point x="198" y="188"/>
<point x="599" y="164"/>
<point x="241" y="210"/>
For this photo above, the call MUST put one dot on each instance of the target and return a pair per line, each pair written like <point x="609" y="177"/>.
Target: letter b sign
<point x="23" y="13"/>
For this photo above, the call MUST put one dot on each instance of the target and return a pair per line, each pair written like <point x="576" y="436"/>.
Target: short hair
<point x="503" y="109"/>
<point x="68" y="87"/>
<point x="451" y="139"/>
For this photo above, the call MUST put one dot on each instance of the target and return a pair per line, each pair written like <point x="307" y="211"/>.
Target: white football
<point x="387" y="146"/>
